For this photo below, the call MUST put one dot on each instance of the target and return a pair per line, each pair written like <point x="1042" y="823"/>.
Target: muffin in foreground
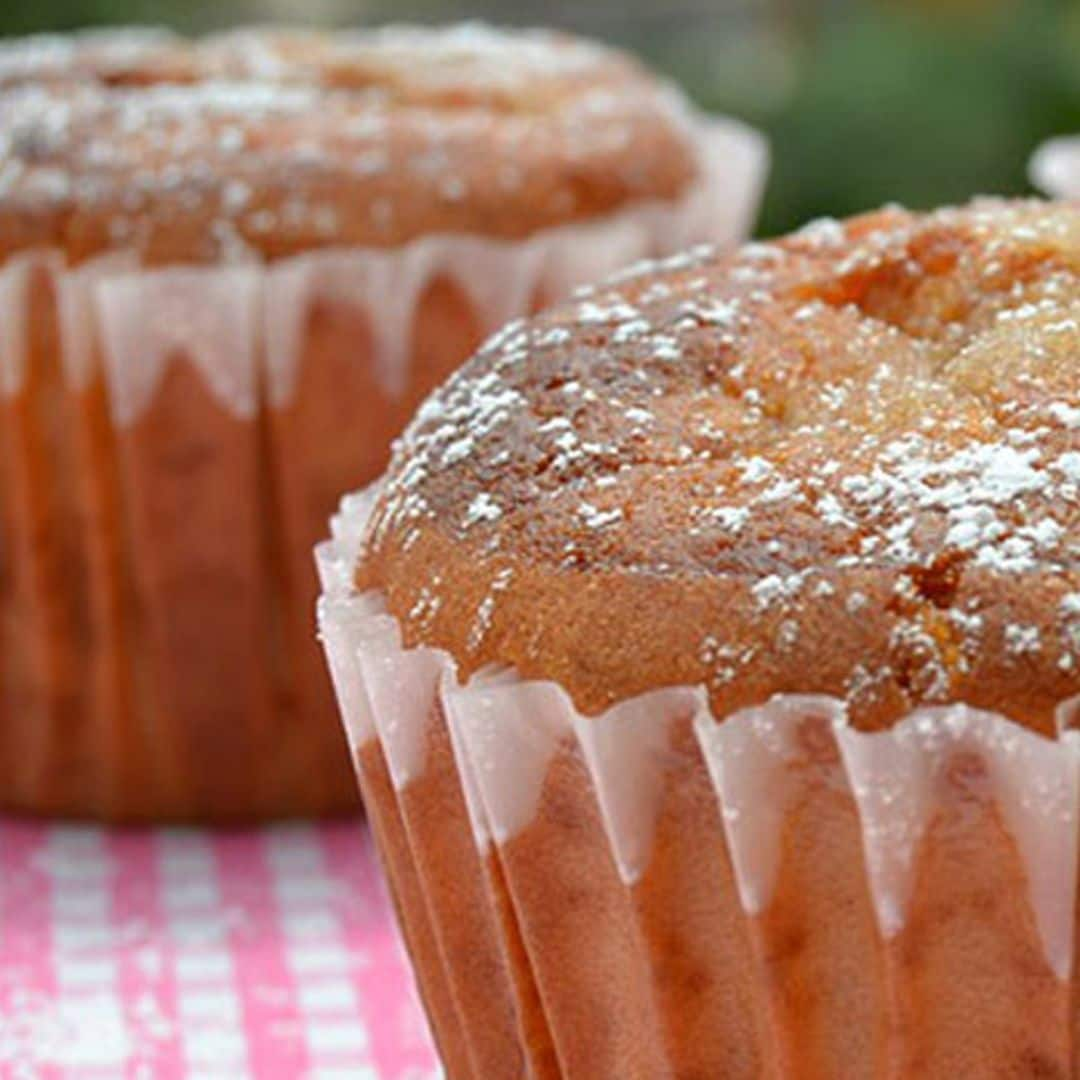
<point x="707" y="655"/>
<point x="229" y="272"/>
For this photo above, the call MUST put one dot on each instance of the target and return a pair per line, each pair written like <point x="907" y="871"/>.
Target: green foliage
<point x="920" y="109"/>
<point x="36" y="16"/>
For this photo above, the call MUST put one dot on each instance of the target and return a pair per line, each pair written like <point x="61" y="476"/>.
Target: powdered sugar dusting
<point x="350" y="136"/>
<point x="791" y="421"/>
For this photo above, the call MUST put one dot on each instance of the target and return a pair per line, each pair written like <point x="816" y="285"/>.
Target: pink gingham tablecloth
<point x="187" y="953"/>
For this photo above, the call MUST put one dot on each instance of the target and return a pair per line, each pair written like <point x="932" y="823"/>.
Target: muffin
<point x="229" y="272"/>
<point x="709" y="652"/>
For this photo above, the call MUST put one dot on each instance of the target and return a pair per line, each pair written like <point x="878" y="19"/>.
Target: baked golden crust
<point x="110" y="57"/>
<point x="278" y="142"/>
<point x="847" y="462"/>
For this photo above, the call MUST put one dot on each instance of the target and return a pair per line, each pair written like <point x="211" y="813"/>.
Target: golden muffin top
<point x="846" y="462"/>
<point x="279" y="141"/>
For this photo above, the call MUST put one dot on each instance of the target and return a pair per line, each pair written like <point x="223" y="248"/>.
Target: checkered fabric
<point x="185" y="953"/>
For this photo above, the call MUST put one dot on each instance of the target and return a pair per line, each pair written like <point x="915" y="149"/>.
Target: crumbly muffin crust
<point x="275" y="142"/>
<point x="110" y="56"/>
<point x="847" y="462"/>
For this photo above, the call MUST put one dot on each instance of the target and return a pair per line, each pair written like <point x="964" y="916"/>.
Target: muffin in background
<point x="229" y="271"/>
<point x="710" y="654"/>
<point x="1054" y="167"/>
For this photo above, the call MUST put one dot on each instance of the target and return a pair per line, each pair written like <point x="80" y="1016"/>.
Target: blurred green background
<point x="865" y="103"/>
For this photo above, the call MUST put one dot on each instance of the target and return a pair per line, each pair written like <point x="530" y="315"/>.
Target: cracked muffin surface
<point x="847" y="462"/>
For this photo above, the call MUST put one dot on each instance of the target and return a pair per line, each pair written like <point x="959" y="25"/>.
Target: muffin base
<point x="772" y="893"/>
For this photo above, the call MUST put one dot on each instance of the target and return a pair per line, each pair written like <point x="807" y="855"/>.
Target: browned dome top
<point x="107" y="56"/>
<point x="847" y="462"/>
<point x="281" y="141"/>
